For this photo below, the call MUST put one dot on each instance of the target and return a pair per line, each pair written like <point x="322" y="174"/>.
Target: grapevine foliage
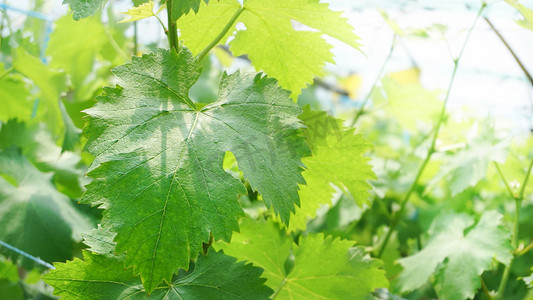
<point x="337" y="152"/>
<point x="213" y="276"/>
<point x="270" y="40"/>
<point x="158" y="159"/>
<point x="212" y="184"/>
<point x="465" y="256"/>
<point x="318" y="268"/>
<point x="41" y="220"/>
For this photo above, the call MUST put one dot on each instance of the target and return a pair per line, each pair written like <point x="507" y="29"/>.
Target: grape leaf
<point x="469" y="165"/>
<point x="337" y="158"/>
<point x="158" y="159"/>
<point x="323" y="268"/>
<point x="401" y="98"/>
<point x="527" y="14"/>
<point x="142" y="11"/>
<point x="14" y="93"/>
<point x="214" y="276"/>
<point x="182" y="7"/>
<point x="8" y="270"/>
<point x="34" y="216"/>
<point x="462" y="257"/>
<point x="100" y="241"/>
<point x="270" y="40"/>
<point x="84" y="8"/>
<point x="73" y="48"/>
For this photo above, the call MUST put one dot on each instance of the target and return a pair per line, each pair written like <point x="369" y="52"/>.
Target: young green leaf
<point x="142" y="11"/>
<point x="337" y="159"/>
<point x="455" y="258"/>
<point x="158" y="159"/>
<point x="527" y="14"/>
<point x="322" y="268"/>
<point x="270" y="39"/>
<point x="84" y="8"/>
<point x="214" y="276"/>
<point x="34" y="216"/>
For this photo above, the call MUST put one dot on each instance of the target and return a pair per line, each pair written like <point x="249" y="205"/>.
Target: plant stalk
<point x="221" y="34"/>
<point x="361" y="110"/>
<point x="172" y="31"/>
<point x="431" y="150"/>
<point x="518" y="61"/>
<point x="135" y="42"/>
<point x="514" y="239"/>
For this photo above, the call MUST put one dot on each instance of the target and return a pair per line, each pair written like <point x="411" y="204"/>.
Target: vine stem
<point x="6" y="73"/>
<point x="431" y="150"/>
<point x="221" y="34"/>
<point x="361" y="110"/>
<point x="172" y="31"/>
<point x="278" y="290"/>
<point x="514" y="240"/>
<point x="518" y="61"/>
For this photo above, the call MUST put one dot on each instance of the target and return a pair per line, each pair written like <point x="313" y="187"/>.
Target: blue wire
<point x="27" y="255"/>
<point x="29" y="13"/>
<point x="37" y="15"/>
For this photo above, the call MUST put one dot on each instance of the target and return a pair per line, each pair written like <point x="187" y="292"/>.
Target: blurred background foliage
<point x="52" y="67"/>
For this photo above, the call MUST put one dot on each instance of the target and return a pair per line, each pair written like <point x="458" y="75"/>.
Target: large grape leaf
<point x="337" y="158"/>
<point x="462" y="257"/>
<point x="34" y="216"/>
<point x="84" y="8"/>
<point x="14" y="93"/>
<point x="158" y="159"/>
<point x="322" y="268"/>
<point x="270" y="39"/>
<point x="213" y="276"/>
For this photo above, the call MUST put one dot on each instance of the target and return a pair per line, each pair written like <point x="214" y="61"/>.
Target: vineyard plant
<point x="204" y="165"/>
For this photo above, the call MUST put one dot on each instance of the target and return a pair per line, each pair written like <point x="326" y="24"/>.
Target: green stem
<point x="278" y="290"/>
<point x="115" y="45"/>
<point x="431" y="150"/>
<point x="525" y="250"/>
<point x="135" y="45"/>
<point x="6" y="73"/>
<point x="518" y="61"/>
<point x="221" y="34"/>
<point x="361" y="110"/>
<point x="509" y="190"/>
<point x="514" y="239"/>
<point x="172" y="31"/>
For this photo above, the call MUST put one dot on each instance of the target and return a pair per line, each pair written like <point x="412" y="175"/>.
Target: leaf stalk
<point x="221" y="35"/>
<point x="516" y="226"/>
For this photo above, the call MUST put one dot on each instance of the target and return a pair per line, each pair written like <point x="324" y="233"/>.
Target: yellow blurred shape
<point x="411" y="75"/>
